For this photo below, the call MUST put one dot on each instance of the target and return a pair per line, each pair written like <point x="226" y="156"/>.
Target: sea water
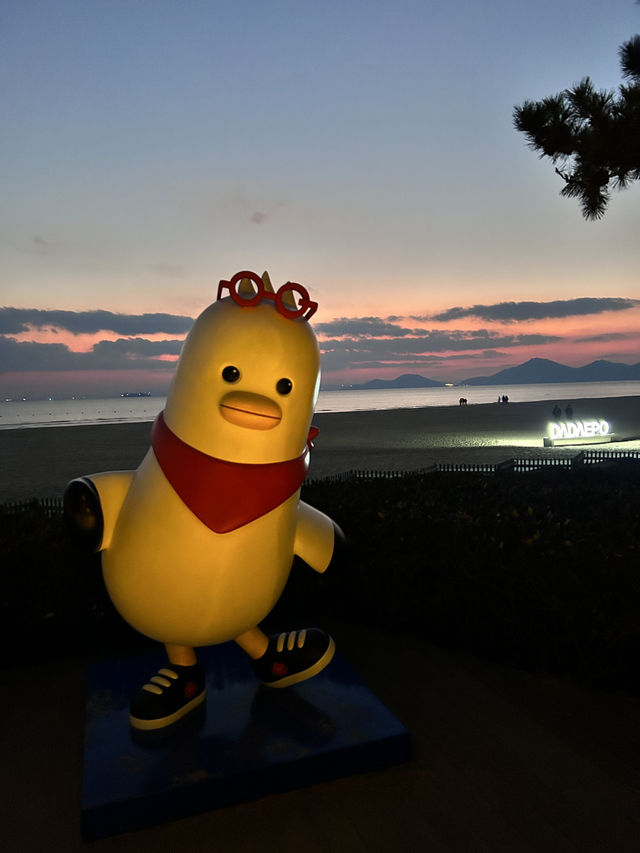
<point x="16" y="414"/>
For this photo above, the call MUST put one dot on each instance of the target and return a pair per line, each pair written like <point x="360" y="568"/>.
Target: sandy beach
<point x="38" y="462"/>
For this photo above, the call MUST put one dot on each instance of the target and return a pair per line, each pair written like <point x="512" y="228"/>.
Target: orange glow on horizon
<point x="84" y="342"/>
<point x="459" y="349"/>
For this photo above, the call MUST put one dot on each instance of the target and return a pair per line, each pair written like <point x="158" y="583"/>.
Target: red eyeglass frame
<point x="306" y="304"/>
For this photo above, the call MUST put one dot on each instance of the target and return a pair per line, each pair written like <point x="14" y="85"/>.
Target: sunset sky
<point x="364" y="148"/>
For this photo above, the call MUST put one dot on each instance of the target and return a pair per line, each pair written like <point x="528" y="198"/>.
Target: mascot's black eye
<point x="284" y="386"/>
<point x="230" y="373"/>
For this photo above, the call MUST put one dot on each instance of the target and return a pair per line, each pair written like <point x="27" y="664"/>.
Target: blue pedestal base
<point x="245" y="742"/>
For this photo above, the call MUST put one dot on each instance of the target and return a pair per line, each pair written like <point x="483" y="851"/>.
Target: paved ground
<point x="503" y="761"/>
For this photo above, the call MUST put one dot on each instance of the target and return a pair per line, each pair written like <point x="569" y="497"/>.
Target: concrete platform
<point x="247" y="741"/>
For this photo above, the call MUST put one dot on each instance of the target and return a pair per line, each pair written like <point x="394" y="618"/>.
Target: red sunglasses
<point x="302" y="307"/>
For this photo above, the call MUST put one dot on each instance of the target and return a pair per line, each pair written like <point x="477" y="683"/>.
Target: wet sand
<point x="38" y="462"/>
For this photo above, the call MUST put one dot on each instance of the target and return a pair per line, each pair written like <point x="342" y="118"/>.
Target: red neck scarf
<point x="226" y="495"/>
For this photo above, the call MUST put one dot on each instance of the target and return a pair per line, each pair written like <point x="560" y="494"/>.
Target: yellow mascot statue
<point x="198" y="542"/>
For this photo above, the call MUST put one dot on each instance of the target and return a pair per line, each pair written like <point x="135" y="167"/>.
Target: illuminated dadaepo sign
<point x="578" y="432"/>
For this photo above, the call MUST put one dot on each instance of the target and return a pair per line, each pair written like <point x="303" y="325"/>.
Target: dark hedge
<point x="539" y="570"/>
<point x="53" y="602"/>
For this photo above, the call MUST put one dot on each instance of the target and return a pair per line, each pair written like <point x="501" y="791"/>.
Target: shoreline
<point x="39" y="461"/>
<point x="99" y="411"/>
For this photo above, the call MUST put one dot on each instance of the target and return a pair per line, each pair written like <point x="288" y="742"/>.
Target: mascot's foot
<point x="294" y="656"/>
<point x="168" y="696"/>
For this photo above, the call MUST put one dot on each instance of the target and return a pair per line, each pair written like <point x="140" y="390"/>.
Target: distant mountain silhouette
<point x="540" y="370"/>
<point x="407" y="380"/>
<point x="535" y="371"/>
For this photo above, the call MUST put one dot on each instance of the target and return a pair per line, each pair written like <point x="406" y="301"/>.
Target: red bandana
<point x="225" y="495"/>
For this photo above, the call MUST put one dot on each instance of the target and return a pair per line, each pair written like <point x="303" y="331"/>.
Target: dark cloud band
<point x="422" y="349"/>
<point x="366" y="327"/>
<point x="14" y="321"/>
<point x="362" y="342"/>
<point x="16" y="356"/>
<point x="513" y="312"/>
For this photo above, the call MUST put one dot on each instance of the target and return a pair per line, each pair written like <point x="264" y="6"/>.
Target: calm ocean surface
<point x="38" y="413"/>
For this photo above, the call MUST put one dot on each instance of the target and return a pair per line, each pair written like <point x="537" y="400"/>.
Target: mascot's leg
<point x="253" y="642"/>
<point x="176" y="690"/>
<point x="284" y="659"/>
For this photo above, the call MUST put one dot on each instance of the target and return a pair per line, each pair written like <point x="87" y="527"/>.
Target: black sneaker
<point x="168" y="696"/>
<point x="294" y="656"/>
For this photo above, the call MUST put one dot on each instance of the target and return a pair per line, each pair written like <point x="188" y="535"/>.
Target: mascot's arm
<point x="318" y="538"/>
<point x="92" y="505"/>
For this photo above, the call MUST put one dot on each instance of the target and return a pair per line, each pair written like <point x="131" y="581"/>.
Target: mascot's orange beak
<point x="252" y="411"/>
